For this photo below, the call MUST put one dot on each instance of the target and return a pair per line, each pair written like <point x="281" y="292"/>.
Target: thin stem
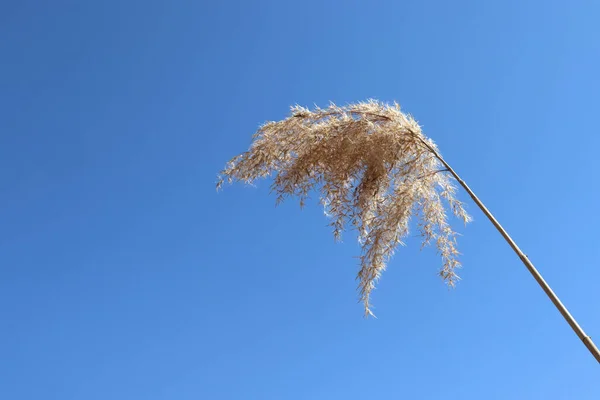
<point x="587" y="340"/>
<point x="432" y="173"/>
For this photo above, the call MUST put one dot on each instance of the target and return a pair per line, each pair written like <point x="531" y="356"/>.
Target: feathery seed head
<point x="374" y="170"/>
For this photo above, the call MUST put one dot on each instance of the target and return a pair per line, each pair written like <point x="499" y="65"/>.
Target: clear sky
<point x="124" y="275"/>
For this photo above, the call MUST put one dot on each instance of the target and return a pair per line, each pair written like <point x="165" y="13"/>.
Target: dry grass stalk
<point x="374" y="170"/>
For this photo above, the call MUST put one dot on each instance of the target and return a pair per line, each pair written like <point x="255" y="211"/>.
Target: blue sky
<point x="124" y="275"/>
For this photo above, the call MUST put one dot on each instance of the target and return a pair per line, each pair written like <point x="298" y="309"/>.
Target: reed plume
<point x="373" y="169"/>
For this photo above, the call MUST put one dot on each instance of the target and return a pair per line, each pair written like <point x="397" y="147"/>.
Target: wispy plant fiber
<point x="373" y="169"/>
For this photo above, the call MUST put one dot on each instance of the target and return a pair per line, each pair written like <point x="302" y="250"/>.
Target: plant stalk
<point x="587" y="340"/>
